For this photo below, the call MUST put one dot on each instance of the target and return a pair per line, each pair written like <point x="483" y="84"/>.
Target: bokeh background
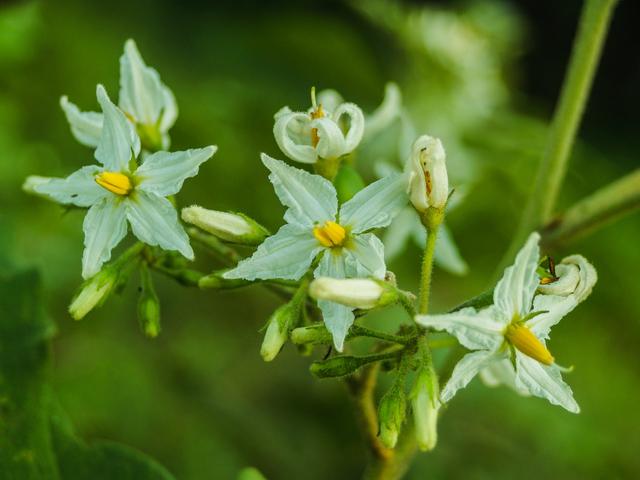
<point x="482" y="75"/>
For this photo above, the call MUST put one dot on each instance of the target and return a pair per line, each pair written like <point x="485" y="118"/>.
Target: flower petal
<point x="104" y="226"/>
<point x="119" y="140"/>
<point x="544" y="382"/>
<point x="163" y="173"/>
<point x="169" y="111"/>
<point x="501" y="372"/>
<point x="365" y="257"/>
<point x="329" y="99"/>
<point x="86" y="127"/>
<point x="154" y="220"/>
<point x="337" y="318"/>
<point x="311" y="198"/>
<point x="514" y="292"/>
<point x="395" y="237"/>
<point x="289" y="132"/>
<point x="554" y="308"/>
<point x="387" y="112"/>
<point x="79" y="188"/>
<point x="465" y="370"/>
<point x="287" y="254"/>
<point x="476" y="330"/>
<point x="353" y="135"/>
<point x="376" y="205"/>
<point x="142" y="93"/>
<point x="331" y="143"/>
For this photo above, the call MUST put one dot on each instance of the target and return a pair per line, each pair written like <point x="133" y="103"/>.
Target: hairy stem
<point x="604" y="205"/>
<point x="427" y="269"/>
<point x="587" y="47"/>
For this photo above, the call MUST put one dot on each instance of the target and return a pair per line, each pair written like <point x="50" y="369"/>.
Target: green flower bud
<point x="425" y="403"/>
<point x="232" y="227"/>
<point x="336" y="366"/>
<point x="217" y="281"/>
<point x="391" y="415"/>
<point x="361" y="293"/>
<point x="278" y="328"/>
<point x="311" y="335"/>
<point x="148" y="305"/>
<point x="94" y="291"/>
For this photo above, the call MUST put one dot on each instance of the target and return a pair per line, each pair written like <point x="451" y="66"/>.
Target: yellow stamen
<point x="427" y="179"/>
<point x="524" y="340"/>
<point x="318" y="112"/>
<point x="115" y="182"/>
<point x="547" y="280"/>
<point x="330" y="234"/>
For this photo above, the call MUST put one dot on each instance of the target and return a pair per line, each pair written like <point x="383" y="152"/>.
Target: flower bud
<point x="217" y="281"/>
<point x="278" y="329"/>
<point x="340" y="366"/>
<point x="232" y="227"/>
<point x="575" y="277"/>
<point x="426" y="404"/>
<point x="148" y="305"/>
<point x="428" y="180"/>
<point x="361" y="293"/>
<point x="93" y="292"/>
<point x="391" y="415"/>
<point x="311" y="335"/>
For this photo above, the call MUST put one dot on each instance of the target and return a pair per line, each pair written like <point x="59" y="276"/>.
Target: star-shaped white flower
<point x="319" y="133"/>
<point x="514" y="328"/>
<point x="316" y="227"/>
<point x="119" y="190"/>
<point x="145" y="100"/>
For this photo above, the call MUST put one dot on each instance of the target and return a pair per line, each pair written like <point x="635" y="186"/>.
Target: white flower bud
<point x="428" y="180"/>
<point x="277" y="332"/>
<point x="361" y="293"/>
<point x="426" y="404"/>
<point x="391" y="415"/>
<point x="576" y="277"/>
<point x="232" y="227"/>
<point x="93" y="292"/>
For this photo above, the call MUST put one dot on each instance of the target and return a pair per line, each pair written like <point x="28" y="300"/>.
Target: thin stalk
<point x="587" y="47"/>
<point x="427" y="269"/>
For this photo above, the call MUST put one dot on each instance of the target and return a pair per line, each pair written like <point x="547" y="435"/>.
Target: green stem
<point x="587" y="47"/>
<point x="224" y="253"/>
<point x="427" y="269"/>
<point x="612" y="201"/>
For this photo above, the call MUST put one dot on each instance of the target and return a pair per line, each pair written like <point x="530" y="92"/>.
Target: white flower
<point x="145" y="100"/>
<point x="118" y="191"/>
<point x="512" y="330"/>
<point x="408" y="226"/>
<point x="428" y="179"/>
<point x="316" y="227"/>
<point x="320" y="133"/>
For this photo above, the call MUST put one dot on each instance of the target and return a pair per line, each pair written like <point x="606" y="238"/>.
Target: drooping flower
<point x="324" y="132"/>
<point x="119" y="191"/>
<point x="146" y="101"/>
<point x="512" y="330"/>
<point x="317" y="228"/>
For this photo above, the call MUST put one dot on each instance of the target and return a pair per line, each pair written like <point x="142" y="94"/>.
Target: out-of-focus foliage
<point x="199" y="398"/>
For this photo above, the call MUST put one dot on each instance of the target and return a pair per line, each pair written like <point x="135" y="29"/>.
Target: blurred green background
<point x="482" y="75"/>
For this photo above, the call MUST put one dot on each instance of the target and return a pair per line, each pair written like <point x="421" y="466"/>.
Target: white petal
<point x="388" y="111"/>
<point x="169" y="111"/>
<point x="311" y="198"/>
<point x="475" y="330"/>
<point x="447" y="255"/>
<point x="376" y="205"/>
<point x="141" y="92"/>
<point x="163" y="173"/>
<point x="79" y="188"/>
<point x="465" y="370"/>
<point x="292" y="132"/>
<point x="395" y="237"/>
<point x="331" y="143"/>
<point x="119" y="141"/>
<point x="329" y="99"/>
<point x="287" y="254"/>
<point x="353" y="135"/>
<point x="555" y="307"/>
<point x="365" y="257"/>
<point x="544" y="382"/>
<point x="501" y="372"/>
<point x="154" y="220"/>
<point x="337" y="318"/>
<point x="514" y="292"/>
<point x="104" y="226"/>
<point x="85" y="126"/>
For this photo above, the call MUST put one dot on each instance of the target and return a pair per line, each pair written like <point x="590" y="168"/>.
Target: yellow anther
<point x="330" y="234"/>
<point x="115" y="182"/>
<point x="524" y="340"/>
<point x="547" y="280"/>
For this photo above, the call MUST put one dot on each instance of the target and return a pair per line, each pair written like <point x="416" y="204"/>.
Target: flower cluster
<point x="326" y="260"/>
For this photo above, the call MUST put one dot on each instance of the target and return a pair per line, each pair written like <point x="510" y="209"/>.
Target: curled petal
<point x="169" y="111"/>
<point x="354" y="134"/>
<point x="292" y="132"/>
<point x="329" y="99"/>
<point x="86" y="127"/>
<point x="389" y="110"/>
<point x="331" y="143"/>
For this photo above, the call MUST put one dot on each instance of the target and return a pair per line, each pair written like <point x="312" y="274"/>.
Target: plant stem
<point x="620" y="197"/>
<point x="587" y="47"/>
<point x="427" y="269"/>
